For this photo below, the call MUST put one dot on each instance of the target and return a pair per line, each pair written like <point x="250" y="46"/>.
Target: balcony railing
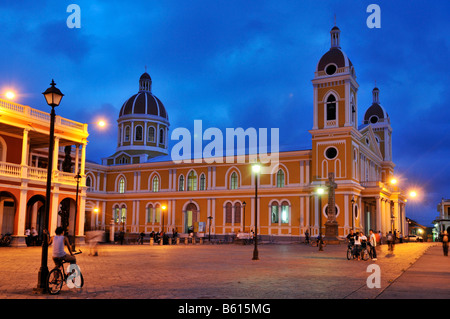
<point x="35" y="174"/>
<point x="27" y="111"/>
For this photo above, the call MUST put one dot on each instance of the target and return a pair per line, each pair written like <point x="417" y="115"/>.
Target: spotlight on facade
<point x="320" y="191"/>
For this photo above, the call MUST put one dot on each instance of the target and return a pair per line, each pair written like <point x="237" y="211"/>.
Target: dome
<point x="335" y="58"/>
<point x="144" y="102"/>
<point x="375" y="113"/>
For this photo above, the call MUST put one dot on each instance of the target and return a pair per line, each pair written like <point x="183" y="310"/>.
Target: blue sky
<point x="240" y="64"/>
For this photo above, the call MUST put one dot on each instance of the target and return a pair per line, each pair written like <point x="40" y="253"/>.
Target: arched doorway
<point x="190" y="217"/>
<point x="35" y="217"/>
<point x="7" y="212"/>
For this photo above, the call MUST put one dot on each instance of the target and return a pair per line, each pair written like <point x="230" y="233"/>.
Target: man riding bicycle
<point x="58" y="247"/>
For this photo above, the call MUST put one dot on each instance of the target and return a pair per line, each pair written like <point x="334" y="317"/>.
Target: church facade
<point x="140" y="190"/>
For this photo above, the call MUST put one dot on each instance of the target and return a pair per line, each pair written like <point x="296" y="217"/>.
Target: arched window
<point x="237" y="213"/>
<point x="192" y="181"/>
<point x="88" y="183"/>
<point x="116" y="213"/>
<point x="157" y="213"/>
<point x="202" y="182"/>
<point x="161" y="136"/>
<point x="149" y="215"/>
<point x="138" y="133"/>
<point x="123" y="213"/>
<point x="234" y="181"/>
<point x="127" y="134"/>
<point x="181" y="183"/>
<point x="280" y="178"/>
<point x="274" y="213"/>
<point x="228" y="213"/>
<point x="122" y="185"/>
<point x="155" y="184"/>
<point x="285" y="212"/>
<point x="151" y="134"/>
<point x="331" y="108"/>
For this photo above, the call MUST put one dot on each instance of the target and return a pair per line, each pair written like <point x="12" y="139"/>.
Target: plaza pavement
<point x="227" y="271"/>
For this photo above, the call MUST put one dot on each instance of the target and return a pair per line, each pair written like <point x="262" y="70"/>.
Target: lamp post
<point x="353" y="212"/>
<point x="78" y="176"/>
<point x="243" y="205"/>
<point x="320" y="192"/>
<point x="163" y="209"/>
<point x="53" y="97"/>
<point x="256" y="169"/>
<point x="209" y="236"/>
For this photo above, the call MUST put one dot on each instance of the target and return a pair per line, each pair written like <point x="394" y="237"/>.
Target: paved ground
<point x="289" y="271"/>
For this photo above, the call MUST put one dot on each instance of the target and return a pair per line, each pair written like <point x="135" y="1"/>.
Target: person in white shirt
<point x="373" y="245"/>
<point x="357" y="250"/>
<point x="59" y="241"/>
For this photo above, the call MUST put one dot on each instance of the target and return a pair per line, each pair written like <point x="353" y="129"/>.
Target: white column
<point x="56" y="154"/>
<point x="379" y="211"/>
<point x="77" y="158"/>
<point x="83" y="159"/>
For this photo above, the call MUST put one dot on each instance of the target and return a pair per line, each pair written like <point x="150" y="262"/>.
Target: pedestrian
<point x="373" y="245"/>
<point x="390" y="241"/>
<point x="34" y="236"/>
<point x="445" y="243"/>
<point x="400" y="236"/>
<point x="28" y="238"/>
<point x="351" y="238"/>
<point x="306" y="237"/>
<point x="141" y="238"/>
<point x="357" y="249"/>
<point x="320" y="242"/>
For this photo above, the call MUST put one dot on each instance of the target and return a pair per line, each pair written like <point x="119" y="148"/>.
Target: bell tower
<point x="335" y="119"/>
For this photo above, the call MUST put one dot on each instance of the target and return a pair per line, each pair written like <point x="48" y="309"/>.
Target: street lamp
<point x="210" y="219"/>
<point x="53" y="97"/>
<point x="320" y="192"/>
<point x="163" y="208"/>
<point x="256" y="169"/>
<point x="243" y="205"/>
<point x="353" y="212"/>
<point x="78" y="176"/>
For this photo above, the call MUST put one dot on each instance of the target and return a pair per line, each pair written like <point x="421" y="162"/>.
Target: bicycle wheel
<point x="314" y="243"/>
<point x="365" y="255"/>
<point x="349" y="254"/>
<point x="55" y="281"/>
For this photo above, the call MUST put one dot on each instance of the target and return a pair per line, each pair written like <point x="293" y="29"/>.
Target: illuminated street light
<point x="256" y="168"/>
<point x="393" y="181"/>
<point x="163" y="208"/>
<point x="10" y="95"/>
<point x="413" y="194"/>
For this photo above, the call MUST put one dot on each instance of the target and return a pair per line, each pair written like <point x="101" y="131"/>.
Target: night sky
<point x="240" y="64"/>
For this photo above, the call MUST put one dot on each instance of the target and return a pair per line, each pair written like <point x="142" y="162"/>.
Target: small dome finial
<point x="145" y="82"/>
<point x="376" y="94"/>
<point x="335" y="35"/>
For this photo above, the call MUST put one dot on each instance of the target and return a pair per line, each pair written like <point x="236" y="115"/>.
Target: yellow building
<point x="130" y="187"/>
<point x="24" y="142"/>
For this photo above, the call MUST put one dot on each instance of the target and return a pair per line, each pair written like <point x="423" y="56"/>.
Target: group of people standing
<point x="358" y="241"/>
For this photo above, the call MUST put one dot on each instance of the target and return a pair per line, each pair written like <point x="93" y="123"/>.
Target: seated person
<point x="58" y="247"/>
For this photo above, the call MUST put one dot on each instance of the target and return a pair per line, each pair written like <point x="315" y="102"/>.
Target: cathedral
<point x="140" y="189"/>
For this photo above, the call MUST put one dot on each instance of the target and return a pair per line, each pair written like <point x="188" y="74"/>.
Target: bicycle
<point x="314" y="242"/>
<point x="364" y="253"/>
<point x="5" y="240"/>
<point x="57" y="277"/>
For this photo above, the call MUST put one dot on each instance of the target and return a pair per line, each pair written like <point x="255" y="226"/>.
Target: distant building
<point x="442" y="222"/>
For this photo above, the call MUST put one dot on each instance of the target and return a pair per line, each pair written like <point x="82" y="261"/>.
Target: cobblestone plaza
<point x="284" y="271"/>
